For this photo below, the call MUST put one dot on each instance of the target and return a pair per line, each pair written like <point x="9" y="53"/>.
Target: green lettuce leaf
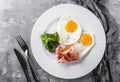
<point x="51" y="41"/>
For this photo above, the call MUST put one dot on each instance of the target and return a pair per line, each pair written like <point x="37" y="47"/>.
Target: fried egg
<point x="85" y="43"/>
<point x="69" y="30"/>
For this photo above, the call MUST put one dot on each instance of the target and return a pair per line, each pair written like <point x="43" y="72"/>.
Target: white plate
<point x="47" y="22"/>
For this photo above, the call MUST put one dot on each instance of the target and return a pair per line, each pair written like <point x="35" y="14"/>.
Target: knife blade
<point x="23" y="64"/>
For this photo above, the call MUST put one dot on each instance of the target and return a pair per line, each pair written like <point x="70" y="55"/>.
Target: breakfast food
<point x="50" y="41"/>
<point x="70" y="42"/>
<point x="85" y="44"/>
<point x="66" y="54"/>
<point x="69" y="30"/>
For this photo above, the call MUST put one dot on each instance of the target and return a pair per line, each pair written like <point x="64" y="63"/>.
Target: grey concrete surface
<point x="18" y="17"/>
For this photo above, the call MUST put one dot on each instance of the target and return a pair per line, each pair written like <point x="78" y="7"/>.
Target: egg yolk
<point x="86" y="39"/>
<point x="70" y="26"/>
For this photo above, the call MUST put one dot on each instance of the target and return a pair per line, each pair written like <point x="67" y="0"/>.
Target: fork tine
<point x="21" y="42"/>
<point x="19" y="39"/>
<point x="24" y="42"/>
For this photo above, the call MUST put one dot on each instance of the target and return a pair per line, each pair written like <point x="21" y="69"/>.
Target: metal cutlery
<point x="25" y="48"/>
<point x="23" y="64"/>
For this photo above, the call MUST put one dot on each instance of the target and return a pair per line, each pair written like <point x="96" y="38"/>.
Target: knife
<point x="23" y="64"/>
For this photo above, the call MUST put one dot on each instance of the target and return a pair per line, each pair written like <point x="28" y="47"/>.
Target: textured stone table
<point x="18" y="17"/>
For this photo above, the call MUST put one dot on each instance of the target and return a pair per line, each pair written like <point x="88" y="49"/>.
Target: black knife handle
<point x="27" y="75"/>
<point x="23" y="64"/>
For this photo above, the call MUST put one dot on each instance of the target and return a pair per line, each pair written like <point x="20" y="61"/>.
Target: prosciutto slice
<point x="66" y="54"/>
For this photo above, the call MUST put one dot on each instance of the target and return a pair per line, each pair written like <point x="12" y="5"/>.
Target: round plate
<point x="47" y="23"/>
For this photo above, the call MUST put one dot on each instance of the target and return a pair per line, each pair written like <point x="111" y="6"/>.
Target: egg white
<point x="67" y="38"/>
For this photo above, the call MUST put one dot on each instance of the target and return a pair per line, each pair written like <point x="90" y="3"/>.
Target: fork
<point x="25" y="48"/>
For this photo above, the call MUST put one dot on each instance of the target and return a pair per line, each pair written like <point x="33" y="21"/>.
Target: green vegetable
<point x="51" y="41"/>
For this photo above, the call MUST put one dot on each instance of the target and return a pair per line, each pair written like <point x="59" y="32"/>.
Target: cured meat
<point x="66" y="54"/>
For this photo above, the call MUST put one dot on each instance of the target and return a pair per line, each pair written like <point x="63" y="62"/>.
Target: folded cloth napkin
<point x="103" y="73"/>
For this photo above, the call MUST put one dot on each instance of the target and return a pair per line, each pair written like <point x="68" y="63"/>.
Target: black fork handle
<point x="35" y="75"/>
<point x="27" y="75"/>
<point x="33" y="71"/>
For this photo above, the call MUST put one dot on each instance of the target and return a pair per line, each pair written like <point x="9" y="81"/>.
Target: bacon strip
<point x="67" y="54"/>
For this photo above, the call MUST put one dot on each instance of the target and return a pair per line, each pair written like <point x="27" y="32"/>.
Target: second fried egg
<point x="85" y="43"/>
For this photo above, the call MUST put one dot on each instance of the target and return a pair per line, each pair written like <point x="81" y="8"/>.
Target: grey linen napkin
<point x="103" y="72"/>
